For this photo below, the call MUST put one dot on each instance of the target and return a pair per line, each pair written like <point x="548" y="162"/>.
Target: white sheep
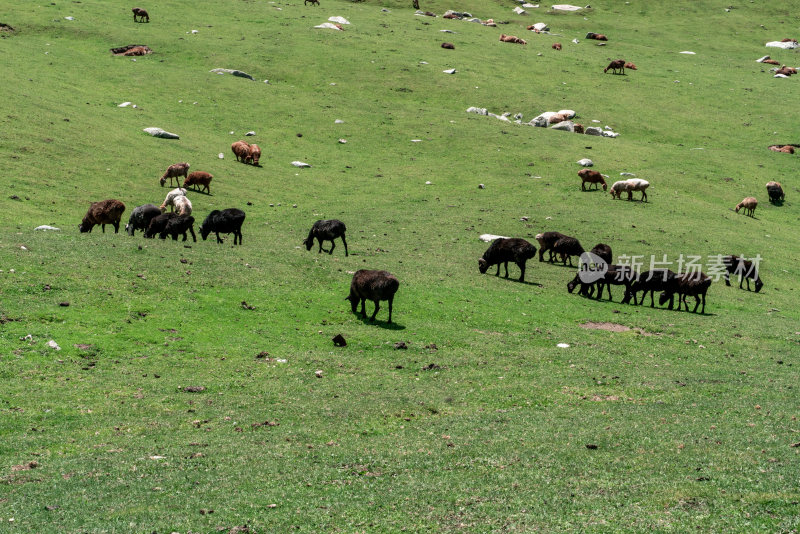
<point x="183" y="206"/>
<point x="617" y="188"/>
<point x="170" y="198"/>
<point x="629" y="186"/>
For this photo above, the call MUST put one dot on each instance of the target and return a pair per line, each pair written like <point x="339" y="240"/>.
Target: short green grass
<point x="693" y="416"/>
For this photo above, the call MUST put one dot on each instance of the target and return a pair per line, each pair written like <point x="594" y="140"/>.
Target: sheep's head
<point x="308" y="242"/>
<point x="738" y="207"/>
<point x="162" y="181"/>
<point x="664" y="297"/>
<point x="353" y="301"/>
<point x="483" y="265"/>
<point x="759" y="284"/>
<point x="85" y="226"/>
<point x="572" y="284"/>
<point x="605" y="186"/>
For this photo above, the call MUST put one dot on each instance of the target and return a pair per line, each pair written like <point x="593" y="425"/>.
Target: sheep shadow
<point x="776" y="202"/>
<point x="381" y="324"/>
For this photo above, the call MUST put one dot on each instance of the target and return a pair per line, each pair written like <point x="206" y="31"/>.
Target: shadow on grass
<point x="380" y="324"/>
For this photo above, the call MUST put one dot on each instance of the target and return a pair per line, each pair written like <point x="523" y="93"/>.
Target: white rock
<point x="593" y="130"/>
<point x="568" y="113"/>
<point x="45" y="227"/>
<point x="449" y="71"/>
<point x="447" y="31"/>
<point x="566" y="7"/>
<point x="687" y="52"/>
<point x="235" y="72"/>
<point x="338" y="121"/>
<point x="627" y="174"/>
<point x="779" y="44"/>
<point x="53" y="345"/>
<point x="479" y="111"/>
<point x="23" y="247"/>
<point x="566" y="126"/>
<point x="780" y="76"/>
<point x="194" y="31"/>
<point x="266" y="81"/>
<point x="221" y="155"/>
<point x="342" y="141"/>
<point x="70" y="18"/>
<point x="124" y="104"/>
<point x="575" y="41"/>
<point x="519" y="11"/>
<point x="250" y="133"/>
<point x="541" y="26"/>
<point x="300" y="164"/>
<point x="340" y="20"/>
<point x="158" y="132"/>
<point x="488" y="238"/>
<point x="610" y="134"/>
<point x="761" y="60"/>
<point x="585" y="162"/>
<point x="563" y="345"/>
<point x="527" y="5"/>
<point x="328" y="26"/>
<point x="423" y="62"/>
<point x="428" y="183"/>
<point x="416" y="140"/>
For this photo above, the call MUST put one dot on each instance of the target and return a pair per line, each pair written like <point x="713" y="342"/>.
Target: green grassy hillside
<point x="482" y="423"/>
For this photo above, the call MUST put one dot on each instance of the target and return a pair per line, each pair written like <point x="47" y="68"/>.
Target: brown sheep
<point x="592" y="177"/>
<point x="533" y="29"/>
<point x="556" y="46"/>
<point x="449" y="46"/>
<point x="253" y="155"/>
<point x="200" y="179"/>
<point x="173" y="171"/>
<point x="450" y="16"/>
<point x="241" y="150"/>
<point x="788" y="40"/>
<point x="749" y="204"/>
<point x="786" y="71"/>
<point x="374" y="286"/>
<point x="615" y="65"/>
<point x="769" y="61"/>
<point x="138" y="51"/>
<point x="787" y="149"/>
<point x="578" y="128"/>
<point x="141" y="13"/>
<point x="555" y="119"/>
<point x="596" y="36"/>
<point x="629" y="65"/>
<point x="103" y="212"/>
<point x="511" y="39"/>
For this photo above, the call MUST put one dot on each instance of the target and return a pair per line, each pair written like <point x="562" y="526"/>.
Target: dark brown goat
<point x="374" y="286"/>
<point x="694" y="284"/>
<point x="103" y="213"/>
<point x="745" y="269"/>
<point x="617" y="64"/>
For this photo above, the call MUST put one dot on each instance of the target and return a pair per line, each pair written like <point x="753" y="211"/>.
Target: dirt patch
<point x="610" y="327"/>
<point x="5" y="27"/>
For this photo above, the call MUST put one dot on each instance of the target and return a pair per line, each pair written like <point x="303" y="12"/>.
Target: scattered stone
<point x="567" y="7"/>
<point x="540" y="27"/>
<point x="567" y="126"/>
<point x="687" y="52"/>
<point x="53" y="345"/>
<point x="45" y="228"/>
<point x="563" y="345"/>
<point x="263" y="355"/>
<point x="70" y="18"/>
<point x="400" y="345"/>
<point x="194" y="389"/>
<point x="318" y="373"/>
<point x="479" y="111"/>
<point x="488" y="238"/>
<point x="338" y="121"/>
<point x="567" y="113"/>
<point x="340" y="20"/>
<point x="450" y="71"/>
<point x="300" y="164"/>
<point x="593" y="130"/>
<point x="591" y="446"/>
<point x="519" y="11"/>
<point x="124" y="104"/>
<point x="339" y="340"/>
<point x="64" y="304"/>
<point x="251" y="133"/>
<point x="158" y="132"/>
<point x="342" y="141"/>
<point x="481" y="186"/>
<point x="328" y="26"/>
<point x="627" y="174"/>
<point x="221" y="155"/>
<point x="585" y="162"/>
<point x="235" y="72"/>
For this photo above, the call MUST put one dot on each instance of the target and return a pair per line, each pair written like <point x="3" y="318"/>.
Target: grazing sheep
<point x="227" y="221"/>
<point x="746" y="269"/>
<point x="749" y="204"/>
<point x="181" y="203"/>
<point x="169" y="199"/>
<point x="592" y="177"/>
<point x="566" y="247"/>
<point x="449" y="46"/>
<point x="200" y="179"/>
<point x="103" y="213"/>
<point x="775" y="191"/>
<point x="313" y="2"/>
<point x="687" y="284"/>
<point x="158" y="224"/>
<point x="787" y="71"/>
<point x="596" y="36"/>
<point x="603" y="251"/>
<point x="326" y="230"/>
<point x="253" y="155"/>
<point x="585" y="290"/>
<point x="511" y="39"/>
<point x="578" y="128"/>
<point x="617" y="188"/>
<point x="374" y="286"/>
<point x="637" y="184"/>
<point x="618" y="275"/>
<point x="141" y="14"/>
<point x="556" y="46"/>
<point x="617" y="64"/>
<point x="173" y="171"/>
<point x="629" y="65"/>
<point x="504" y="250"/>
<point x="241" y="150"/>
<point x="652" y="281"/>
<point x="546" y="241"/>
<point x="140" y="218"/>
<point x="179" y="225"/>
<point x="137" y="51"/>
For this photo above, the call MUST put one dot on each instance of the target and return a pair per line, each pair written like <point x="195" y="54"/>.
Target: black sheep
<point x="652" y="281"/>
<point x="603" y="251"/>
<point x="158" y="224"/>
<point x="546" y="241"/>
<point x="504" y="250"/>
<point x="586" y="289"/>
<point x="179" y="225"/>
<point x="374" y="286"/>
<point x="745" y="269"/>
<point x="141" y="217"/>
<point x="775" y="192"/>
<point x="227" y="221"/>
<point x="618" y="275"/>
<point x="687" y="284"/>
<point x="566" y="247"/>
<point x="326" y="230"/>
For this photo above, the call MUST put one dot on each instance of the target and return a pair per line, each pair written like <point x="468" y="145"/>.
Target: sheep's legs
<point x="345" y="246"/>
<point x="333" y="246"/>
<point x="390" y="308"/>
<point x="521" y="266"/>
<point x="364" y="308"/>
<point x="194" y="237"/>
<point x="377" y="307"/>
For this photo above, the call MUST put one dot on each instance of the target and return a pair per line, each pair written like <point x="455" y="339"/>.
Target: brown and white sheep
<point x="253" y="155"/>
<point x="504" y="250"/>
<point x="171" y="200"/>
<point x="614" y="66"/>
<point x="141" y="14"/>
<point x="374" y="286"/>
<point x="556" y="46"/>
<point x="173" y="171"/>
<point x="775" y="191"/>
<point x="629" y="186"/>
<point x="749" y="204"/>
<point x="546" y="241"/>
<point x="241" y="150"/>
<point x="592" y="177"/>
<point x="200" y="179"/>
<point x="512" y="39"/>
<point x="619" y="187"/>
<point x="103" y="213"/>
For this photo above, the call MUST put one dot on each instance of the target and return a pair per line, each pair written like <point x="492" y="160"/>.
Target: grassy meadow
<point x="684" y="422"/>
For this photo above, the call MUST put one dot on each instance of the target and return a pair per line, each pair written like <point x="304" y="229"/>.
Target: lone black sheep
<point x="504" y="250"/>
<point x="227" y="221"/>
